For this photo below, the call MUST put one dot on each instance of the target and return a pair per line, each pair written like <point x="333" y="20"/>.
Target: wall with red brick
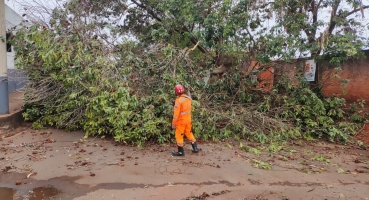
<point x="289" y="69"/>
<point x="355" y="71"/>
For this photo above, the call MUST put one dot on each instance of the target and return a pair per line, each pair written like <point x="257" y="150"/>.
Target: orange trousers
<point x="181" y="130"/>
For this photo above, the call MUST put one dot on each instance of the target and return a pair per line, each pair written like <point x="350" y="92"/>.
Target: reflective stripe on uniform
<point x="185" y="113"/>
<point x="175" y="118"/>
<point x="184" y="98"/>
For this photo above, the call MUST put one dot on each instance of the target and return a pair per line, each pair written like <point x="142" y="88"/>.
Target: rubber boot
<point x="194" y="147"/>
<point x="180" y="152"/>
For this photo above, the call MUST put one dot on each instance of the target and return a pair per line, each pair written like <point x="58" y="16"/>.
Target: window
<point x="8" y="45"/>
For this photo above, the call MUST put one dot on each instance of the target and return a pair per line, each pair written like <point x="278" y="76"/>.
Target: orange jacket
<point x="182" y="110"/>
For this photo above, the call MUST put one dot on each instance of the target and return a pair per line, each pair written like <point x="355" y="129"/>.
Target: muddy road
<point x="53" y="164"/>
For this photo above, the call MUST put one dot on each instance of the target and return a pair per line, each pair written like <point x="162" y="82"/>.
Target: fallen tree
<point x="76" y="84"/>
<point x="83" y="77"/>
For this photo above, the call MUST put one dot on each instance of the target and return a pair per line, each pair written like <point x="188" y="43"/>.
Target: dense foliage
<point x="85" y="74"/>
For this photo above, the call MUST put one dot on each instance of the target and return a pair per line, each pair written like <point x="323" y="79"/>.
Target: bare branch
<point x="193" y="48"/>
<point x="354" y="11"/>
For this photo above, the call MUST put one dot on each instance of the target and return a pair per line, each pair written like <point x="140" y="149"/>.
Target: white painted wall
<point x="12" y="19"/>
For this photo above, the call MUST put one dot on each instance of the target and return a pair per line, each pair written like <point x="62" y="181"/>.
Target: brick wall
<point x="355" y="71"/>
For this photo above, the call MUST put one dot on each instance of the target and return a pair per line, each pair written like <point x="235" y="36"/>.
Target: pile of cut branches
<point x="81" y="78"/>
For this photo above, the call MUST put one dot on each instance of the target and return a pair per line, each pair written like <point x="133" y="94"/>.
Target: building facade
<point x="16" y="78"/>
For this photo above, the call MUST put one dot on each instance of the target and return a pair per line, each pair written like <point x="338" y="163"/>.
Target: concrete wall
<point x="10" y="59"/>
<point x="355" y="71"/>
<point x="12" y="18"/>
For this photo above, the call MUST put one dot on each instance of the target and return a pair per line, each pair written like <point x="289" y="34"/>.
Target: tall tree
<point x="328" y="28"/>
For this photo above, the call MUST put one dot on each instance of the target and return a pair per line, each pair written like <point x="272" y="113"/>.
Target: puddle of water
<point x="6" y="193"/>
<point x="42" y="193"/>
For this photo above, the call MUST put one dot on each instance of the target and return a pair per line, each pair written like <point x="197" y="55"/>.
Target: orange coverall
<point x="182" y="119"/>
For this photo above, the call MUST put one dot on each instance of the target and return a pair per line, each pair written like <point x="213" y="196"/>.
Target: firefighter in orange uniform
<point x="182" y="121"/>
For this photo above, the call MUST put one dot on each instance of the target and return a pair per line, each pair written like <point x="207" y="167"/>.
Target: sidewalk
<point x="14" y="119"/>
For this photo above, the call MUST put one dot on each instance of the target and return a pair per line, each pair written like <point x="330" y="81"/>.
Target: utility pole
<point x="4" y="96"/>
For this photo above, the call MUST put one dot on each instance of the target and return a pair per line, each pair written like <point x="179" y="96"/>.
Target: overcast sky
<point x="17" y="4"/>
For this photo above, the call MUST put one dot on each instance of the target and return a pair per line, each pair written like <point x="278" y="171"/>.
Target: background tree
<point x="233" y="29"/>
<point x="331" y="29"/>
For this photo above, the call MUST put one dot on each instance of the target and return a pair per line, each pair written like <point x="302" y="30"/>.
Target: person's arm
<point x="175" y="114"/>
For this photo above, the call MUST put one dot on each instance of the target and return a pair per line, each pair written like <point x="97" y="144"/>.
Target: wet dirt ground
<point x="53" y="164"/>
<point x="363" y="134"/>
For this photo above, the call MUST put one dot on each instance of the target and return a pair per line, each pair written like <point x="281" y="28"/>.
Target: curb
<point x="11" y="121"/>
